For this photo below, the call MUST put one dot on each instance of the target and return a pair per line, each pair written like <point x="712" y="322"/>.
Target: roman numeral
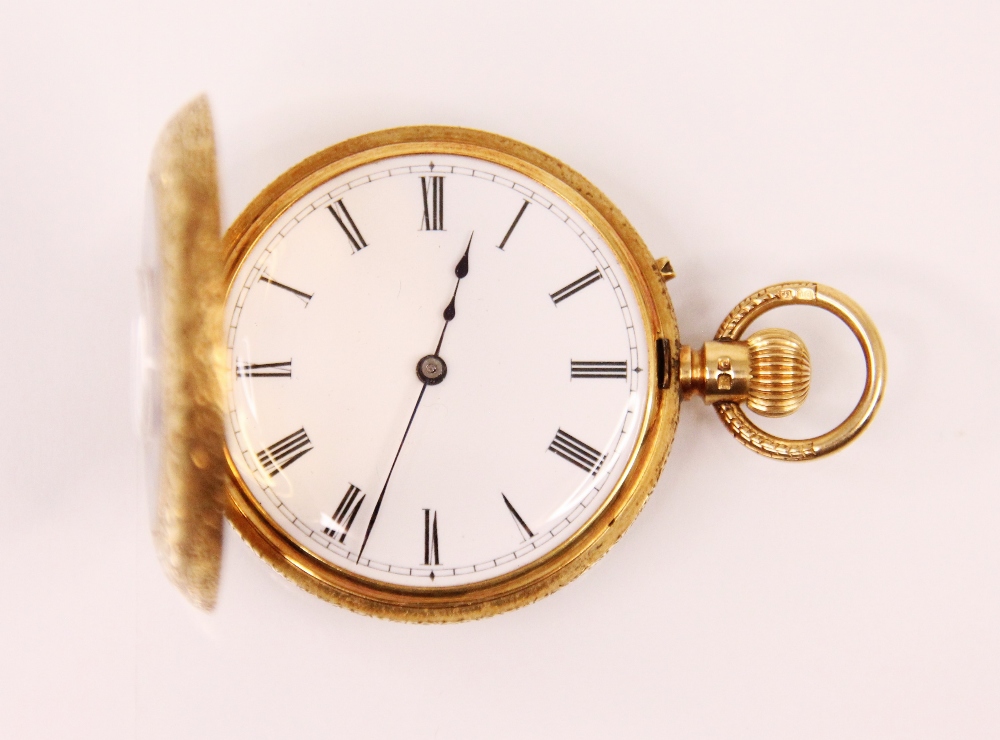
<point x="588" y="369"/>
<point x="576" y="286"/>
<point x="511" y="229"/>
<point x="263" y="369"/>
<point x="522" y="528"/>
<point x="339" y="211"/>
<point x="433" y="203"/>
<point x="579" y="453"/>
<point x="431" y="538"/>
<point x="284" y="452"/>
<point x="306" y="297"/>
<point x="337" y="526"/>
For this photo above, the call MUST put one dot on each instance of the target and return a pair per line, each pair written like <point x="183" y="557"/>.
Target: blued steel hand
<point x="461" y="270"/>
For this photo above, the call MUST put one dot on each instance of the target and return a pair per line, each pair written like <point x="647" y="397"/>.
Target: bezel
<point x="568" y="560"/>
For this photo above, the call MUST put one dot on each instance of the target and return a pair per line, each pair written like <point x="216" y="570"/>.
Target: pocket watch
<point x="430" y="373"/>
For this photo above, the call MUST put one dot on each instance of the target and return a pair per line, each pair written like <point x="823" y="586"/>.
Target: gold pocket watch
<point x="430" y="373"/>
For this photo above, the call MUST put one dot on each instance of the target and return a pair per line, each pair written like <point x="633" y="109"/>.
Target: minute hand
<point x="461" y="270"/>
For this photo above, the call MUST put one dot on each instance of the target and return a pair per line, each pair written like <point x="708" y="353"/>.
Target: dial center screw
<point x="431" y="369"/>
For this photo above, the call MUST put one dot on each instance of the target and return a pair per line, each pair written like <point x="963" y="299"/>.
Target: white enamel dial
<point x="439" y="371"/>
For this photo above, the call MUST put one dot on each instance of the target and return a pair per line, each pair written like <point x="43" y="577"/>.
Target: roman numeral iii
<point x="340" y="212"/>
<point x="263" y="369"/>
<point x="342" y="519"/>
<point x="576" y="286"/>
<point x="431" y="556"/>
<point x="284" y="452"/>
<point x="579" y="453"/>
<point x="589" y="369"/>
<point x="433" y="191"/>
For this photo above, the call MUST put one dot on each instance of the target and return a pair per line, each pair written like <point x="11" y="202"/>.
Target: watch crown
<point x="769" y="372"/>
<point x="779" y="372"/>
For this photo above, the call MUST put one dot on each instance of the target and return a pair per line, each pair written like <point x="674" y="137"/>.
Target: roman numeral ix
<point x="263" y="369"/>
<point x="579" y="453"/>
<point x="339" y="211"/>
<point x="284" y="452"/>
<point x="342" y="519"/>
<point x="431" y="556"/>
<point x="588" y="369"/>
<point x="576" y="286"/>
<point x="433" y="203"/>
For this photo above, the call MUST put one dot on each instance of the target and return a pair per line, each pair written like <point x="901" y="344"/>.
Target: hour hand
<point x="461" y="270"/>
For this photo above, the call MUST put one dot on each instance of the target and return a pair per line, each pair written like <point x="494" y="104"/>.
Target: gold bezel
<point x="568" y="560"/>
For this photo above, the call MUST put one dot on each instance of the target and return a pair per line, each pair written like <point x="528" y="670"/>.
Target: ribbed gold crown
<point x="779" y="372"/>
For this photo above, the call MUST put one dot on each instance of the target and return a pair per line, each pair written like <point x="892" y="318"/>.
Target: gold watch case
<point x="542" y="577"/>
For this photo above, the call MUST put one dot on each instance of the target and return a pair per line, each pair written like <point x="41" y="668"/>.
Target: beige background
<point x="854" y="143"/>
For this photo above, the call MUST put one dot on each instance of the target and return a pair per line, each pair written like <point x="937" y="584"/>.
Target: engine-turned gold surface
<point x="779" y="372"/>
<point x="193" y="469"/>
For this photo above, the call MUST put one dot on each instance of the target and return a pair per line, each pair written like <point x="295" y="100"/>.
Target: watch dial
<point x="439" y="371"/>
